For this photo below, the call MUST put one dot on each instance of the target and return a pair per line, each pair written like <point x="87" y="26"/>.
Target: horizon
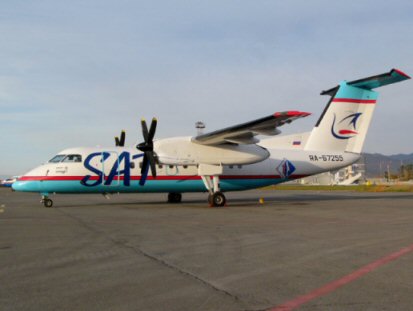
<point x="3" y="176"/>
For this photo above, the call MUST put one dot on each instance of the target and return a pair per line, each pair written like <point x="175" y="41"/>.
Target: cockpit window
<point x="57" y="158"/>
<point x="73" y="158"/>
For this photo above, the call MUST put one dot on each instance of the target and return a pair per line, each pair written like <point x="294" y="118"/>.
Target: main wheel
<point x="48" y="203"/>
<point x="218" y="199"/>
<point x="174" y="197"/>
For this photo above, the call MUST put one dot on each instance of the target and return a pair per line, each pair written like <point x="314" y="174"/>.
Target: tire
<point x="174" y="197"/>
<point x="48" y="203"/>
<point x="218" y="199"/>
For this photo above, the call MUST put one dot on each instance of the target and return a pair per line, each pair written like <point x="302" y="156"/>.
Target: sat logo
<point x="347" y="127"/>
<point x="285" y="169"/>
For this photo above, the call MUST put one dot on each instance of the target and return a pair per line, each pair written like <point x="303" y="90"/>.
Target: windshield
<point x="73" y="158"/>
<point x="57" y="158"/>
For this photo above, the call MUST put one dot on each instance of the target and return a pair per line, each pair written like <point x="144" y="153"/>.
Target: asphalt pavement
<point x="299" y="250"/>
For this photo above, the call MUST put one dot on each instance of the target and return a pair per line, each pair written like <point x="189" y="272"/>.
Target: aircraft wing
<point x="245" y="133"/>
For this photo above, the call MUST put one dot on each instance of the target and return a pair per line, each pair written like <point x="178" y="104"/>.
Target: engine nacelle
<point x="182" y="151"/>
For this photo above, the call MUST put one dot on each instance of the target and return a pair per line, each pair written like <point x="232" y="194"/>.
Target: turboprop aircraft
<point x="230" y="159"/>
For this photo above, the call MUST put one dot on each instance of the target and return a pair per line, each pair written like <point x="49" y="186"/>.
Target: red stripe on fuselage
<point x="46" y="178"/>
<point x="182" y="177"/>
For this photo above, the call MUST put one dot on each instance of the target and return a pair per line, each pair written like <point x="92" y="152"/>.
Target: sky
<point x="76" y="73"/>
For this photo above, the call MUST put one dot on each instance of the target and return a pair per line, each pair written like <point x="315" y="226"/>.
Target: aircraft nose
<point x="17" y="186"/>
<point x="27" y="185"/>
<point x="23" y="185"/>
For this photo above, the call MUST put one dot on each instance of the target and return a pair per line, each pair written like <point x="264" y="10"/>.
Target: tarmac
<point x="299" y="250"/>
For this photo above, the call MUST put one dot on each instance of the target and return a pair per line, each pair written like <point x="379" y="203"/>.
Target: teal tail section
<point x="372" y="82"/>
<point x="344" y="123"/>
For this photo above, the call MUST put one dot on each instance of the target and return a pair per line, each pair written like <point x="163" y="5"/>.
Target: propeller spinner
<point x="147" y="148"/>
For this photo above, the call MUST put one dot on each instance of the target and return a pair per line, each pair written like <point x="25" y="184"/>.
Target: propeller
<point x="120" y="142"/>
<point x="147" y="148"/>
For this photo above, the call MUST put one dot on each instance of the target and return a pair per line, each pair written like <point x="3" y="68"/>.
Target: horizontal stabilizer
<point x="373" y="82"/>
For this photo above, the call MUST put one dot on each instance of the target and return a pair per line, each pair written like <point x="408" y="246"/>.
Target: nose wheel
<point x="46" y="201"/>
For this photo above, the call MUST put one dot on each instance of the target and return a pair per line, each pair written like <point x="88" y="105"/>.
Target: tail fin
<point x="344" y="122"/>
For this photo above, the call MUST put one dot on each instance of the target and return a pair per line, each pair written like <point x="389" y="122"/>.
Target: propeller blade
<point x="149" y="160"/>
<point x="142" y="181"/>
<point x="144" y="170"/>
<point x="152" y="130"/>
<point x="152" y="163"/>
<point x="120" y="142"/>
<point x="144" y="131"/>
<point x="144" y="164"/>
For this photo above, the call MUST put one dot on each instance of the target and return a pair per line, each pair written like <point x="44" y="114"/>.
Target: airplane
<point x="229" y="159"/>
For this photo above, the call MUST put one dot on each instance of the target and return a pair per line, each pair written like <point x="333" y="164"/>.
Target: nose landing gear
<point x="46" y="201"/>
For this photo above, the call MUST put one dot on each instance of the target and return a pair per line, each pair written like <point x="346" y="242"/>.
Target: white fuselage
<point x="229" y="159"/>
<point x="117" y="169"/>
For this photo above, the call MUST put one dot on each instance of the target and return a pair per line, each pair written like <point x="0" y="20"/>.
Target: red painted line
<point x="330" y="287"/>
<point x="181" y="177"/>
<point x="46" y="178"/>
<point x="352" y="100"/>
<point x="292" y="113"/>
<point x="258" y="176"/>
<point x="401" y="73"/>
<point x="347" y="132"/>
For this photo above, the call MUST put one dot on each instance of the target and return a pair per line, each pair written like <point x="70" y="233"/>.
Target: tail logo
<point x="347" y="127"/>
<point x="285" y="169"/>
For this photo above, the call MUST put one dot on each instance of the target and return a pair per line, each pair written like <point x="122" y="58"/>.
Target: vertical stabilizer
<point x="344" y="122"/>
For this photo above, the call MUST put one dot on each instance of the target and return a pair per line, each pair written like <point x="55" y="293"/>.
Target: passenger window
<point x="73" y="158"/>
<point x="58" y="158"/>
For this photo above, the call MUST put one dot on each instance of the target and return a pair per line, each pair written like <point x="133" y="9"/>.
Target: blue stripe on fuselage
<point x="74" y="186"/>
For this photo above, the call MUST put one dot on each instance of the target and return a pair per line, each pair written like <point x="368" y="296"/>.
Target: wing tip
<point x="401" y="73"/>
<point x="292" y="113"/>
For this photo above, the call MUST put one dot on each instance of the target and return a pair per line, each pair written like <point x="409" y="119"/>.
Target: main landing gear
<point x="215" y="198"/>
<point x="210" y="177"/>
<point x="46" y="201"/>
<point x="174" y="197"/>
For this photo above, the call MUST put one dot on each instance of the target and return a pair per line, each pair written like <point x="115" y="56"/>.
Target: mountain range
<point x="376" y="164"/>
